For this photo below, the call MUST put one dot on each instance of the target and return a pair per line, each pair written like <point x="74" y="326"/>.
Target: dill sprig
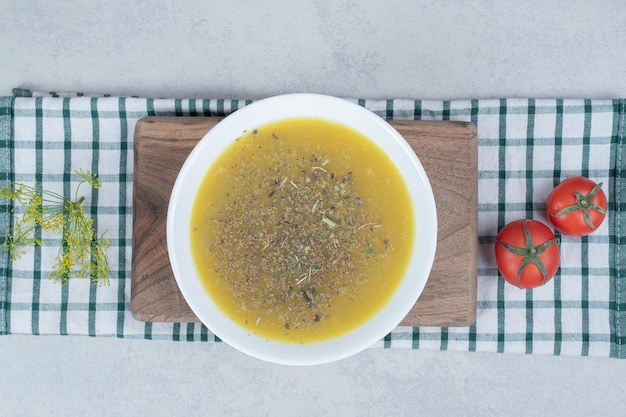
<point x="81" y="252"/>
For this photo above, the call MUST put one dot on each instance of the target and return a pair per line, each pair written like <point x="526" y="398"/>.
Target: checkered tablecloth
<point x="526" y="147"/>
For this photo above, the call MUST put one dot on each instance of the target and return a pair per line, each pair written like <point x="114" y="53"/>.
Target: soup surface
<point x="302" y="230"/>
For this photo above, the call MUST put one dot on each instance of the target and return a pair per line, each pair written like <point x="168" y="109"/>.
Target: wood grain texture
<point x="447" y="150"/>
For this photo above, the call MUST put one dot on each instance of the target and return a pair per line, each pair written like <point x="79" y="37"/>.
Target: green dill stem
<point x="32" y="189"/>
<point x="76" y="193"/>
<point x="21" y="237"/>
<point x="20" y="233"/>
<point x="76" y="205"/>
<point x="57" y="197"/>
<point x="55" y="209"/>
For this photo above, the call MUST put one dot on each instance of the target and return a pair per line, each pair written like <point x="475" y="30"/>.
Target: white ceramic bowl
<point x="216" y="141"/>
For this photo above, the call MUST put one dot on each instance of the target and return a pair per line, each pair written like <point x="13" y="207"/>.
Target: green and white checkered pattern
<point x="526" y="147"/>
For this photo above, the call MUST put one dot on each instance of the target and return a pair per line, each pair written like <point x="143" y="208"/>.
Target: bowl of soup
<point x="301" y="229"/>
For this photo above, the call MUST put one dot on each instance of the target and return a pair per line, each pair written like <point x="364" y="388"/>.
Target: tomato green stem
<point x="530" y="253"/>
<point x="584" y="203"/>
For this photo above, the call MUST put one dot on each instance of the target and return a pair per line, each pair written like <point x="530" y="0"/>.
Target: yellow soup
<point x="302" y="230"/>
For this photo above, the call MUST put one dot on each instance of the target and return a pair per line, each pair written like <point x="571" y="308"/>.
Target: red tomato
<point x="527" y="253"/>
<point x="576" y="206"/>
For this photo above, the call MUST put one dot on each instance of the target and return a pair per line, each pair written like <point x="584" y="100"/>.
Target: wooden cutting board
<point x="447" y="150"/>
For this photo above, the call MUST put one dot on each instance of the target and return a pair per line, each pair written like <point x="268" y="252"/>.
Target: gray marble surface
<point x="251" y="49"/>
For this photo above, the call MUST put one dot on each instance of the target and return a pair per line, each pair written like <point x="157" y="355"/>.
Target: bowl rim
<point x="222" y="135"/>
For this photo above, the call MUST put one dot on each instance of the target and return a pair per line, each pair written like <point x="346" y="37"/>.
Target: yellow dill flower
<point x="91" y="179"/>
<point x="55" y="223"/>
<point x="81" y="252"/>
<point x="33" y="209"/>
<point x="11" y="193"/>
<point x="16" y="250"/>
